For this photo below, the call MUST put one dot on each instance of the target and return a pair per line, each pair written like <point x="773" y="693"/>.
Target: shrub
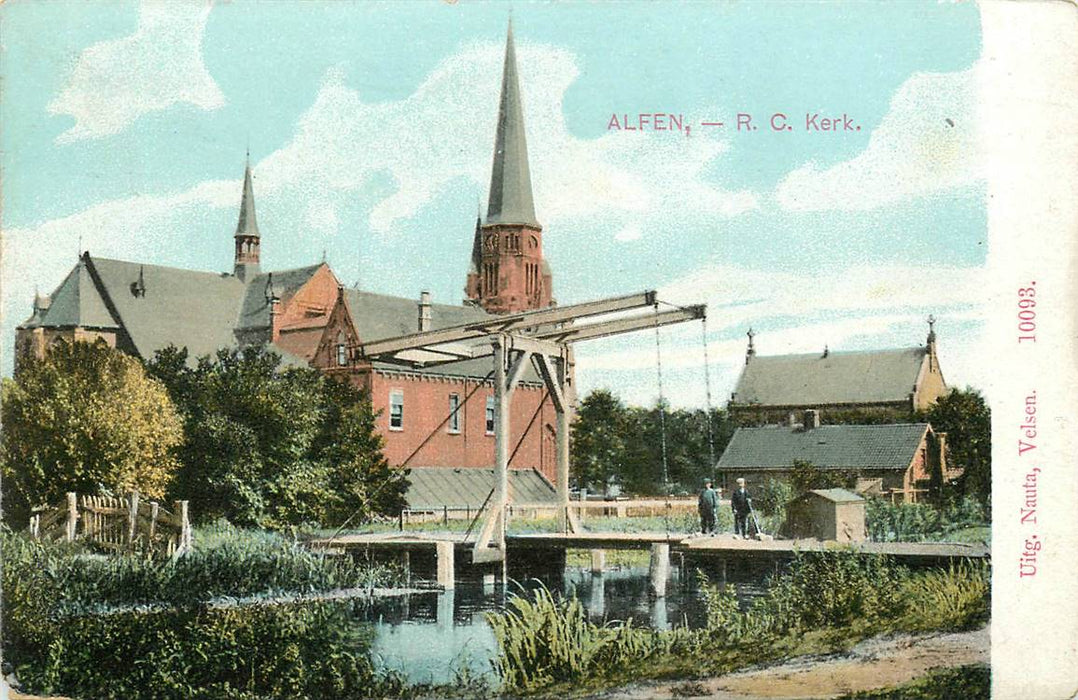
<point x="956" y="598"/>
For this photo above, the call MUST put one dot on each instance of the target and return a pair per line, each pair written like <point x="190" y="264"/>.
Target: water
<point x="428" y="637"/>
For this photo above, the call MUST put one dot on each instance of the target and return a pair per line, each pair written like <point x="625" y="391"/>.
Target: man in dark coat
<point x="741" y="501"/>
<point x="708" y="504"/>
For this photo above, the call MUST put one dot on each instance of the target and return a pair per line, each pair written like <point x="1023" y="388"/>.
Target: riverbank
<point x="872" y="665"/>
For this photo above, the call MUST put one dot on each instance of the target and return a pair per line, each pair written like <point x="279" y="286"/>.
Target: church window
<point x="454" y="413"/>
<point x="396" y="410"/>
<point x="342" y="354"/>
<point x="490" y="415"/>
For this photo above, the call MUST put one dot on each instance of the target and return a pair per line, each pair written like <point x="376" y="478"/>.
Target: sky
<point x="371" y="127"/>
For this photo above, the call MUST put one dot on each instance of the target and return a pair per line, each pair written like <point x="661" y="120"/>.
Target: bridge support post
<point x="446" y="577"/>
<point x="598" y="560"/>
<point x="659" y="571"/>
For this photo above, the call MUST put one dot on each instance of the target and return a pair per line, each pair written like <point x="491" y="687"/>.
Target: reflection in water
<point x="430" y="636"/>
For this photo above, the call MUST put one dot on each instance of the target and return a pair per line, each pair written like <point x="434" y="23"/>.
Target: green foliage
<point x="973" y="682"/>
<point x="296" y="651"/>
<point x="966" y="418"/>
<point x="271" y="446"/>
<point x="611" y="440"/>
<point x="86" y="418"/>
<point x="956" y="598"/>
<point x="915" y="522"/>
<point x="544" y="640"/>
<point x="806" y="476"/>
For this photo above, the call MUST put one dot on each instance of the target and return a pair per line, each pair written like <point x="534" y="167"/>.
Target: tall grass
<point x="546" y="640"/>
<point x="915" y="522"/>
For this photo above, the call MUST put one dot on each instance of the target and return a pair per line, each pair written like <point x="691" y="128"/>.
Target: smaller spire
<point x="751" y="352"/>
<point x="247" y="224"/>
<point x="271" y="293"/>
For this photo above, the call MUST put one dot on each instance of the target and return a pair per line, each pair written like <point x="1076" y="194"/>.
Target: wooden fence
<point x="119" y="523"/>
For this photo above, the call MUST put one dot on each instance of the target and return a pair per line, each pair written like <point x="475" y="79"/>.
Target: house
<point x="891" y="383"/>
<point x="435" y="417"/>
<point x="899" y="460"/>
<point x="827" y="514"/>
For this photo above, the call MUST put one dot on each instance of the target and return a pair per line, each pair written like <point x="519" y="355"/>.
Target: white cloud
<point x="115" y="82"/>
<point x="928" y="141"/>
<point x="444" y="131"/>
<point x="858" y="308"/>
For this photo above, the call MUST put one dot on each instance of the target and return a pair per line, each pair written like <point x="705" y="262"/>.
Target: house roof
<point x="836" y="495"/>
<point x="434" y="487"/>
<point x="891" y="446"/>
<point x="816" y="379"/>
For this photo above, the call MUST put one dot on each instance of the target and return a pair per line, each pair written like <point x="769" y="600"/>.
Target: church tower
<point x="247" y="238"/>
<point x="507" y="272"/>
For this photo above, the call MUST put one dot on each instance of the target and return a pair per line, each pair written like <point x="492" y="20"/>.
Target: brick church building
<point x="429" y="417"/>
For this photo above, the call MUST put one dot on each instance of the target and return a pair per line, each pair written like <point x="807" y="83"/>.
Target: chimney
<point x="424" y="312"/>
<point x="812" y="419"/>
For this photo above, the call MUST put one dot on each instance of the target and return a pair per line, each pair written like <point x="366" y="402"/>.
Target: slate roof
<point x="180" y="307"/>
<point x="891" y="446"/>
<point x="76" y="302"/>
<point x="379" y="316"/>
<point x="510" y="181"/>
<point x="434" y="487"/>
<point x="814" y="379"/>
<point x="255" y="312"/>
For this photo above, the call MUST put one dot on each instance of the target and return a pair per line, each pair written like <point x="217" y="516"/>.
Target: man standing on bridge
<point x="741" y="502"/>
<point x="708" y="504"/>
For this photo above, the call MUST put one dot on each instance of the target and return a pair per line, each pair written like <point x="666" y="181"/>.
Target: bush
<point x="915" y="522"/>
<point x="956" y="598"/>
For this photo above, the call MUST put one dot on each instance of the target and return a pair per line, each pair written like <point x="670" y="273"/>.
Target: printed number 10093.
<point x="1027" y="316"/>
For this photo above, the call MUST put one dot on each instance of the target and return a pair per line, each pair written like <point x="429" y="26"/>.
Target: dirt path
<point x="871" y="665"/>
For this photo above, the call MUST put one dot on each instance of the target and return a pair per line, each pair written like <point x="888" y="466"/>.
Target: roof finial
<point x="931" y="330"/>
<point x="826" y="350"/>
<point x="751" y="352"/>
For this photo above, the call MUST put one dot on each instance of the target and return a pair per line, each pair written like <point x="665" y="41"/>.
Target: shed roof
<point x="434" y="487"/>
<point x="836" y="495"/>
<point x="815" y="379"/>
<point x="891" y="446"/>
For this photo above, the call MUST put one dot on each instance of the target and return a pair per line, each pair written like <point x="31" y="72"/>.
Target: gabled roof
<point x="891" y="446"/>
<point x="434" y="487"/>
<point x="76" y="302"/>
<point x="185" y="308"/>
<point x="510" y="180"/>
<point x="810" y="380"/>
<point x="255" y="312"/>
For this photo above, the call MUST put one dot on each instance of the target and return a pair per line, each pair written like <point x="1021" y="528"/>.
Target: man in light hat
<point x="708" y="504"/>
<point x="741" y="502"/>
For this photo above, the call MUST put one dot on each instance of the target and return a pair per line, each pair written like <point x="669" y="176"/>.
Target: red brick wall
<point x="426" y="405"/>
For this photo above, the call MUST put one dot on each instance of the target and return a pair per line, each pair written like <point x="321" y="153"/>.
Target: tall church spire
<point x="507" y="272"/>
<point x="510" y="180"/>
<point x="248" y="240"/>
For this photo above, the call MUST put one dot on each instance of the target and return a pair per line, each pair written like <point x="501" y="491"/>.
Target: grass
<point x="827" y="602"/>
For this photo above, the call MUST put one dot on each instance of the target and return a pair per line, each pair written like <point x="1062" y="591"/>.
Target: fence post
<point x="445" y="515"/>
<point x="184" y="543"/>
<point x="132" y="517"/>
<point x="153" y="521"/>
<point x="72" y="515"/>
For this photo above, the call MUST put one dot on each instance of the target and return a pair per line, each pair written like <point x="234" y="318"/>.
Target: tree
<point x="86" y="418"/>
<point x="967" y="420"/>
<point x="599" y="440"/>
<point x="806" y="476"/>
<point x="273" y="446"/>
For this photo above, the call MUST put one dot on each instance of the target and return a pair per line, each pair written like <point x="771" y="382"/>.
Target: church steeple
<point x="510" y="179"/>
<point x="507" y="272"/>
<point x="247" y="237"/>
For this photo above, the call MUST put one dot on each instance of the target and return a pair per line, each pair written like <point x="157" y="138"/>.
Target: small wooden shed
<point x="827" y="514"/>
